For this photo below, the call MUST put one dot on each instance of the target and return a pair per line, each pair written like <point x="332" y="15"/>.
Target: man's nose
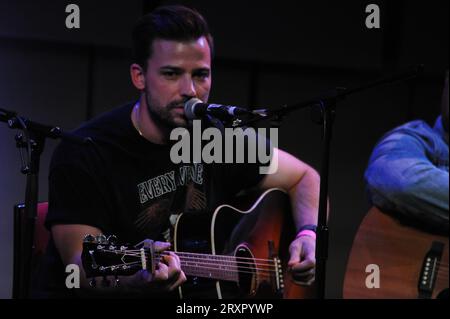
<point x="188" y="87"/>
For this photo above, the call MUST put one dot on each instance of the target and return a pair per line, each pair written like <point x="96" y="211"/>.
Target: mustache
<point x="176" y="104"/>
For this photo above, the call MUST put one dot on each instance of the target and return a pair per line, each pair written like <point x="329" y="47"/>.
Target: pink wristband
<point x="306" y="232"/>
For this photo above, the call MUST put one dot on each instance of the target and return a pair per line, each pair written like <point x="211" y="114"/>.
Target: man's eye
<point x="202" y="75"/>
<point x="169" y="74"/>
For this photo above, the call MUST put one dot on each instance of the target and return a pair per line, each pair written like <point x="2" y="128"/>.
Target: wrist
<point x="306" y="233"/>
<point x="307" y="230"/>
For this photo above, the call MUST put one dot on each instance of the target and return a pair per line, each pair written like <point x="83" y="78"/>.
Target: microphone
<point x="195" y="108"/>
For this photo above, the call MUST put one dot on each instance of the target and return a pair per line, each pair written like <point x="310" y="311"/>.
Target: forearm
<point x="425" y="198"/>
<point x="406" y="174"/>
<point x="304" y="197"/>
<point x="418" y="189"/>
<point x="301" y="182"/>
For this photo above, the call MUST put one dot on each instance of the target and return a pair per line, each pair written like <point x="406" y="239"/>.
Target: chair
<point x="40" y="241"/>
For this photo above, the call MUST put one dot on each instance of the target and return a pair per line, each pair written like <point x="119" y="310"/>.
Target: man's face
<point x="176" y="72"/>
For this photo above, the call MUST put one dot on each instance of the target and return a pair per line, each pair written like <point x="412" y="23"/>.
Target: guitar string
<point x="201" y="263"/>
<point x="222" y="256"/>
<point x="193" y="255"/>
<point x="213" y="265"/>
<point x="237" y="265"/>
<point x="200" y="255"/>
<point x="211" y="260"/>
<point x="262" y="273"/>
<point x="231" y="260"/>
<point x="238" y="270"/>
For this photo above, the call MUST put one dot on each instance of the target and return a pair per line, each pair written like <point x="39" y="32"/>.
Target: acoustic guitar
<point x="391" y="260"/>
<point x="230" y="253"/>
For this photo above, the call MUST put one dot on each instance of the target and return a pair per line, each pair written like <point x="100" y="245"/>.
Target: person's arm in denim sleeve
<point x="401" y="177"/>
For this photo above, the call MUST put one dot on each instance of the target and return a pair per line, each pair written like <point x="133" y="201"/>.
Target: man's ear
<point x="137" y="76"/>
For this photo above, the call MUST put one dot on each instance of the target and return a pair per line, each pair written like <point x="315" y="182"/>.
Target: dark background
<point x="267" y="54"/>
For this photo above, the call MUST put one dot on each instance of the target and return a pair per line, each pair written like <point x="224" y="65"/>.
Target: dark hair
<point x="175" y="22"/>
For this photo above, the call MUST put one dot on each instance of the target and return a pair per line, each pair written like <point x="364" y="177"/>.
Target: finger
<point x="172" y="261"/>
<point x="180" y="280"/>
<point x="306" y="282"/>
<point x="294" y="251"/>
<point x="173" y="264"/>
<point x="303" y="266"/>
<point x="175" y="276"/>
<point x="303" y="275"/>
<point x="175" y="279"/>
<point x="161" y="246"/>
<point x="161" y="273"/>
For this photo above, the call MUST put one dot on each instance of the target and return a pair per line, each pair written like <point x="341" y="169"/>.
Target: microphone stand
<point x="327" y="107"/>
<point x="32" y="139"/>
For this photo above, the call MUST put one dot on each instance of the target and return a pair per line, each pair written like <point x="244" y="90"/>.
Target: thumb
<point x="160" y="246"/>
<point x="294" y="250"/>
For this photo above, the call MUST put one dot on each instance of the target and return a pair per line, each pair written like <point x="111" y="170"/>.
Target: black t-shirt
<point x="127" y="186"/>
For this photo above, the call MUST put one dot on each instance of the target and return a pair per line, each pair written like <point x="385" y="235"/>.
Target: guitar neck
<point x="209" y="266"/>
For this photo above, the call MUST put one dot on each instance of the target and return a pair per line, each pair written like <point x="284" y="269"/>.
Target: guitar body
<point x="259" y="234"/>
<point x="401" y="253"/>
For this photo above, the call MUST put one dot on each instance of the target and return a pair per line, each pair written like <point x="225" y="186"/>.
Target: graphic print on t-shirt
<point x="164" y="196"/>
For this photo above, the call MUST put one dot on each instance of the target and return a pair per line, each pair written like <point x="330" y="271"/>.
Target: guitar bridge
<point x="429" y="270"/>
<point x="278" y="275"/>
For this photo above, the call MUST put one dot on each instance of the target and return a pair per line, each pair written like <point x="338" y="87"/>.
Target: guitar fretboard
<point x="209" y="266"/>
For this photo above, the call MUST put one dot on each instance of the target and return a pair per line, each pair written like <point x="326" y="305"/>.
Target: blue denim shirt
<point x="408" y="173"/>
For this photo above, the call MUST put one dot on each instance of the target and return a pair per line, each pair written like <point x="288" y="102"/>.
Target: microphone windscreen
<point x="189" y="108"/>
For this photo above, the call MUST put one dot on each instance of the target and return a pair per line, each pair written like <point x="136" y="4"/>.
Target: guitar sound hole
<point x="247" y="271"/>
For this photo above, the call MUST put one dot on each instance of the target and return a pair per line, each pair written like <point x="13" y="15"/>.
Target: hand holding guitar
<point x="303" y="260"/>
<point x="167" y="275"/>
<point x="148" y="267"/>
<point x="255" y="265"/>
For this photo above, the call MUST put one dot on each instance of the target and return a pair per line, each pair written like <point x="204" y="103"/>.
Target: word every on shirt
<point x="168" y="182"/>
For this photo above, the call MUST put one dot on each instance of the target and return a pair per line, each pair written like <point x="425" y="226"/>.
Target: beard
<point x="164" y="116"/>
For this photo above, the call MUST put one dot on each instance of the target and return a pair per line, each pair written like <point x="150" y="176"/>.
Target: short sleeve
<point x="76" y="191"/>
